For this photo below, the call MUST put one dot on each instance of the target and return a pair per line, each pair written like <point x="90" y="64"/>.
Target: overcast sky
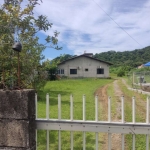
<point x="97" y="26"/>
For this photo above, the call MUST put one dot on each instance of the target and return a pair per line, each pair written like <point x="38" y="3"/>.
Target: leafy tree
<point x="19" y="20"/>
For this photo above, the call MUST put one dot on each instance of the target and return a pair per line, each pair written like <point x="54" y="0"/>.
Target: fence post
<point x="96" y="119"/>
<point x="147" y="121"/>
<point x="17" y="119"/>
<point x="71" y="107"/>
<point x="109" y="120"/>
<point x="133" y="109"/>
<point x="59" y="118"/>
<point x="84" y="118"/>
<point x="133" y="121"/>
<point x="133" y="80"/>
<point x="122" y="135"/>
<point x="109" y="109"/>
<point x="47" y="117"/>
<point x="71" y="118"/>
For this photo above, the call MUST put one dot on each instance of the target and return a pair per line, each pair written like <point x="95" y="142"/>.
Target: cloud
<point x="99" y="25"/>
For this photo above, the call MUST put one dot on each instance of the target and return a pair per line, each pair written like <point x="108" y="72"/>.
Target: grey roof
<point x="83" y="55"/>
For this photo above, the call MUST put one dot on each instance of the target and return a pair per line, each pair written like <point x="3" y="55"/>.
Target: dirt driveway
<point x="103" y="99"/>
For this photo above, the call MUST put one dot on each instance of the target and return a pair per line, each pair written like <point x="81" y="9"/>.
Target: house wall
<point x="82" y="63"/>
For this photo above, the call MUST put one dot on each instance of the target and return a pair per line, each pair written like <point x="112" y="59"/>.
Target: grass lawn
<point x="77" y="87"/>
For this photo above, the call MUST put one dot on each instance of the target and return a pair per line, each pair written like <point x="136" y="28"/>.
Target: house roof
<point x="85" y="55"/>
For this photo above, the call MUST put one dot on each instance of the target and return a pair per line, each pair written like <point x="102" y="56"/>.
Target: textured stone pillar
<point x="17" y="120"/>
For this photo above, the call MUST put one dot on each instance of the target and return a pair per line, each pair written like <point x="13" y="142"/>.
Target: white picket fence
<point x="96" y="126"/>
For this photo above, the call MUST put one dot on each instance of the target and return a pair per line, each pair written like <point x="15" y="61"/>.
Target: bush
<point x="121" y="73"/>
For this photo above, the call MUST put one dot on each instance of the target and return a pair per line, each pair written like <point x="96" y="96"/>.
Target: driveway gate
<point x="94" y="126"/>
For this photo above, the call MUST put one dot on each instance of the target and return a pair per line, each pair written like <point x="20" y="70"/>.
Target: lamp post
<point x="18" y="47"/>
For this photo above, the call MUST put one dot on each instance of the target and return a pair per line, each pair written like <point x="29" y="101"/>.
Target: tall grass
<point x="77" y="87"/>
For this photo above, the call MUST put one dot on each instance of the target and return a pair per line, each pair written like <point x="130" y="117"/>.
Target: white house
<point x="84" y="66"/>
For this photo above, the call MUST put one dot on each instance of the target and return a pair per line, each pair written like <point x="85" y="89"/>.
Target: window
<point x="86" y="69"/>
<point x="73" y="71"/>
<point x="60" y="71"/>
<point x="100" y="71"/>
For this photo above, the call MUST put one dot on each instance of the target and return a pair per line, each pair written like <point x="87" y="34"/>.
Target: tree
<point x="20" y="20"/>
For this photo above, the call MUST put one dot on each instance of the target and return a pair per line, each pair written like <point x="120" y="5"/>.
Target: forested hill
<point x="130" y="58"/>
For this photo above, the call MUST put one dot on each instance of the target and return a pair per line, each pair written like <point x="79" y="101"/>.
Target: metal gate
<point x="94" y="126"/>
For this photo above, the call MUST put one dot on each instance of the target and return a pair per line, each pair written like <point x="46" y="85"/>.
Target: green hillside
<point x="129" y="58"/>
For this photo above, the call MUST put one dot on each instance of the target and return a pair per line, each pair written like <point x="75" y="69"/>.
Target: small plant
<point x="121" y="73"/>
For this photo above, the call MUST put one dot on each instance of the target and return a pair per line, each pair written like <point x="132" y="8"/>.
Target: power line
<point x="116" y="23"/>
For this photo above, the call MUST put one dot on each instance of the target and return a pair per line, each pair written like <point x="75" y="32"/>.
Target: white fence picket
<point x="133" y="109"/>
<point x="147" y="111"/>
<point x="71" y="118"/>
<point x="147" y="121"/>
<point x="109" y="141"/>
<point x="47" y="117"/>
<point x="84" y="118"/>
<point x="133" y="142"/>
<point x="147" y="142"/>
<point x="96" y="119"/>
<point x="59" y="118"/>
<point x="71" y="107"/>
<point x="47" y="106"/>
<point x="122" y="112"/>
<point x="122" y="106"/>
<point x="122" y="141"/>
<point x="71" y="140"/>
<point x="109" y="109"/>
<point x="59" y="107"/>
<point x="133" y="121"/>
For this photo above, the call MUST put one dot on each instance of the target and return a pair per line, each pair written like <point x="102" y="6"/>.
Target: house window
<point x="60" y="71"/>
<point x="73" y="71"/>
<point x="100" y="71"/>
<point x="86" y="69"/>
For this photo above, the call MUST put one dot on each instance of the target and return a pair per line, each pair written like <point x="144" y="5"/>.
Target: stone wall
<point x="17" y="120"/>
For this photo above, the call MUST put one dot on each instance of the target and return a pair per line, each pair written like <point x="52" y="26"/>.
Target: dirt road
<point x="103" y="99"/>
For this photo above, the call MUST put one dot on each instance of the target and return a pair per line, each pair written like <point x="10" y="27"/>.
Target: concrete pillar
<point x="17" y="120"/>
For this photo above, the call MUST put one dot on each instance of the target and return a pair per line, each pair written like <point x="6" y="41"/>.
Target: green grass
<point x="77" y="87"/>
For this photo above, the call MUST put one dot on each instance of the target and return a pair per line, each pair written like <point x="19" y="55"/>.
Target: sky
<point x="95" y="26"/>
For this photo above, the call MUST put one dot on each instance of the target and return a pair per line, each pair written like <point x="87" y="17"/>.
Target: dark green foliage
<point x="15" y="17"/>
<point x="63" y="57"/>
<point x="121" y="73"/>
<point x="127" y="58"/>
<point x="52" y="73"/>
